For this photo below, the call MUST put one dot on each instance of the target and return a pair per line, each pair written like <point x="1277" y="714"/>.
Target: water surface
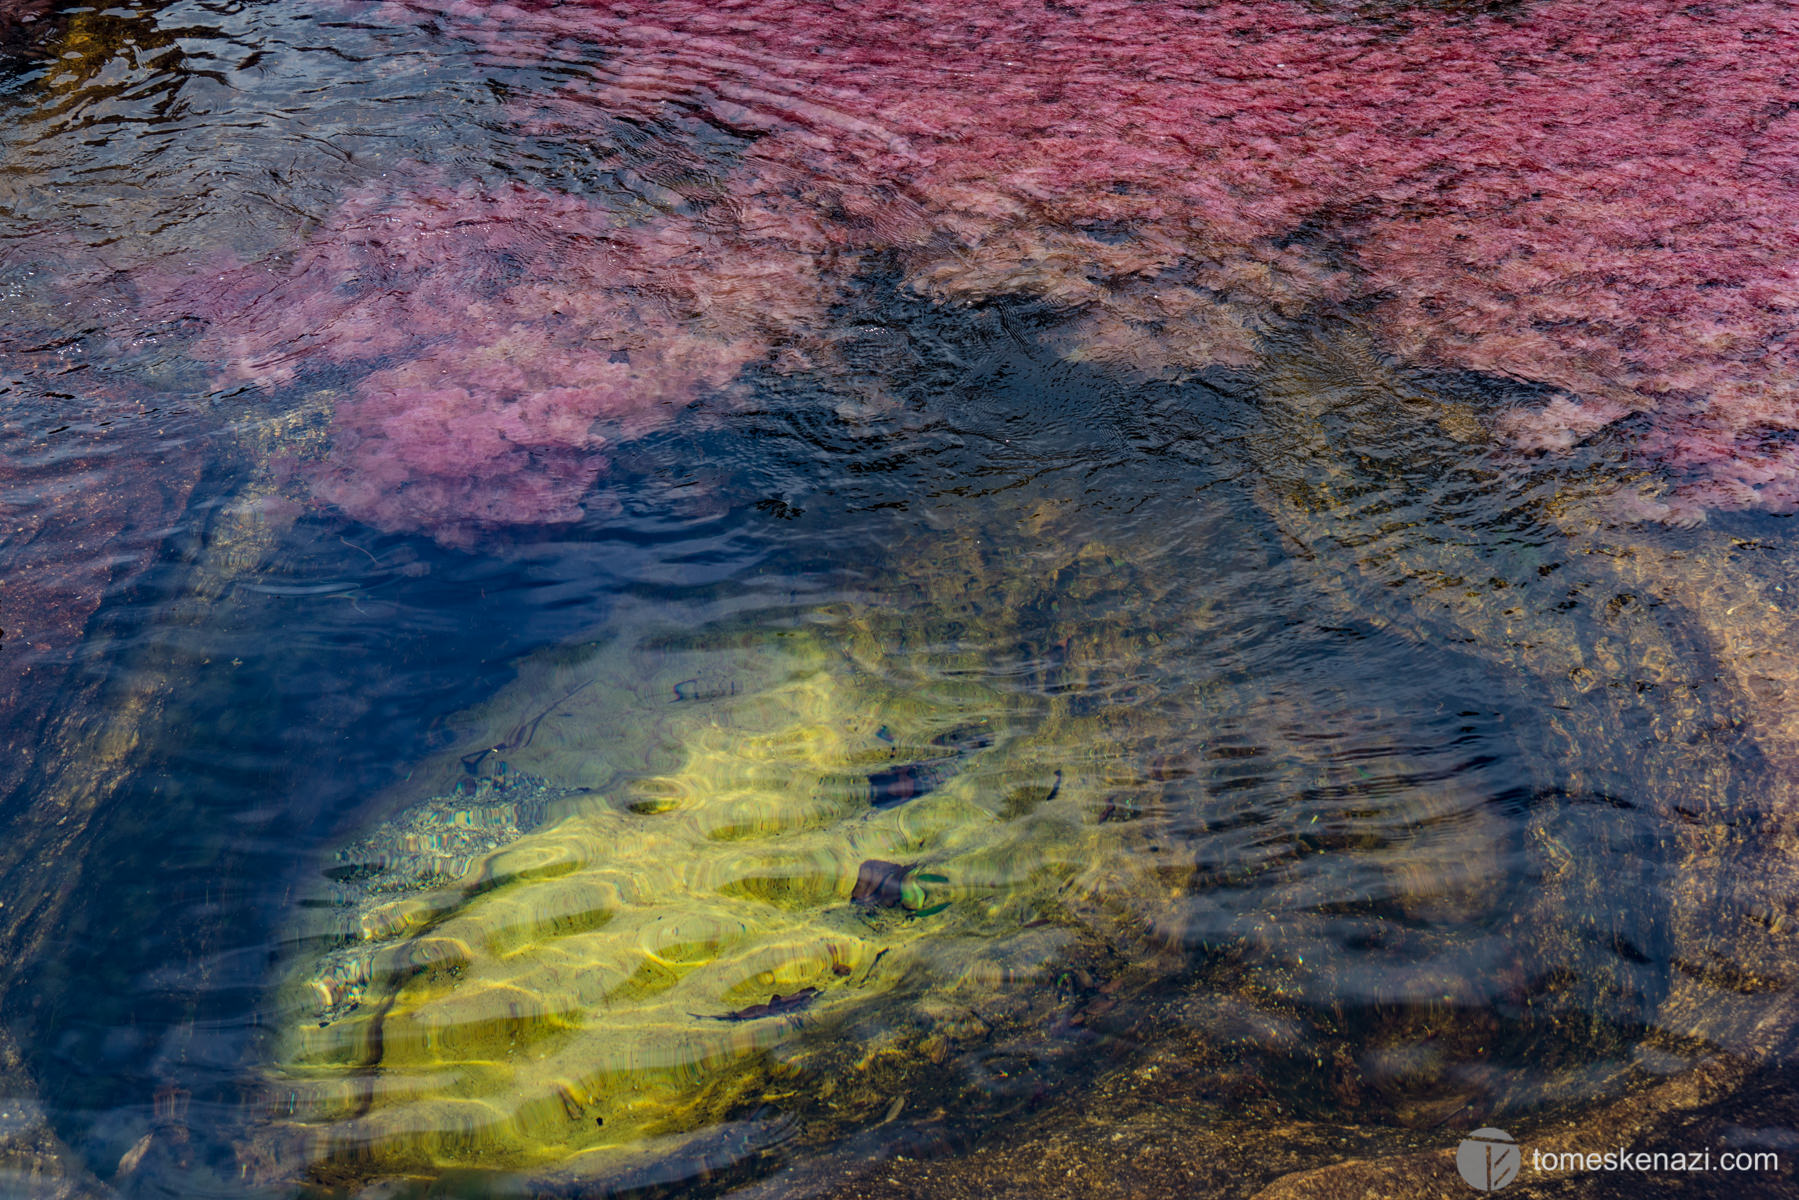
<point x="565" y="631"/>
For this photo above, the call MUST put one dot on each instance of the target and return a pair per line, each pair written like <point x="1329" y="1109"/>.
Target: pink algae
<point x="1598" y="197"/>
<point x="1603" y="198"/>
<point x="508" y="336"/>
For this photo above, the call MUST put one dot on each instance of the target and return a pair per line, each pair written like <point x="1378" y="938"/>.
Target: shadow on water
<point x="1356" y="905"/>
<point x="1389" y="909"/>
<point x="320" y="679"/>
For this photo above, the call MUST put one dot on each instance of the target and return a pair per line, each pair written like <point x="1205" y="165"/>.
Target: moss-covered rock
<point x="796" y="863"/>
<point x="661" y="860"/>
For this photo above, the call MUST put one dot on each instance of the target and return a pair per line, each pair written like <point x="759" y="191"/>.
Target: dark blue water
<point x="1389" y="859"/>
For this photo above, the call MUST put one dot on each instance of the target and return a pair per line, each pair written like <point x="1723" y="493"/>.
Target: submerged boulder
<point x="690" y="878"/>
<point x="699" y="887"/>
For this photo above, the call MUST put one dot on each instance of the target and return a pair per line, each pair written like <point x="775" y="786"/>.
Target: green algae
<point x="601" y="977"/>
<point x="622" y="911"/>
<point x="581" y="932"/>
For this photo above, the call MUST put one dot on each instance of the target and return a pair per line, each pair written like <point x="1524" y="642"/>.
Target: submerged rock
<point x="880" y="884"/>
<point x="538" y="976"/>
<point x="672" y="916"/>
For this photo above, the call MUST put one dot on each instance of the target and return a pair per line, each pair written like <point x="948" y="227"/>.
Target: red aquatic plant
<point x="1602" y="198"/>
<point x="505" y="337"/>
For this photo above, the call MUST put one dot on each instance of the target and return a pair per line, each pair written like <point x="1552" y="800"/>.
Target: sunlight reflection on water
<point x="398" y="422"/>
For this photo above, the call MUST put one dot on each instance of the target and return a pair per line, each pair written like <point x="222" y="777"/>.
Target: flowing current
<point x="791" y="599"/>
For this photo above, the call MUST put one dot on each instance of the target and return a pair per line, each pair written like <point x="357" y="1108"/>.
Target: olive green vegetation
<point x="1660" y="656"/>
<point x="646" y="894"/>
<point x="722" y="852"/>
<point x="814" y="861"/>
<point x="626" y="905"/>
